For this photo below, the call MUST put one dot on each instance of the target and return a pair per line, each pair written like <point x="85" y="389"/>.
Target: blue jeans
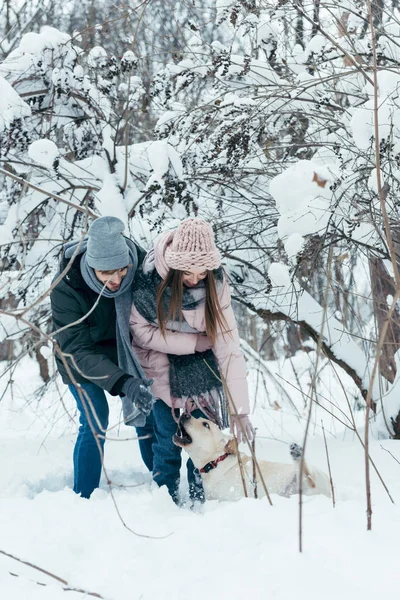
<point x="167" y="456"/>
<point x="88" y="450"/>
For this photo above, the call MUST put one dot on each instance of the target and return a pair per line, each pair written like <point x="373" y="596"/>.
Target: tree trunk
<point x="383" y="285"/>
<point x="314" y="30"/>
<point x="299" y="27"/>
<point x="43" y="365"/>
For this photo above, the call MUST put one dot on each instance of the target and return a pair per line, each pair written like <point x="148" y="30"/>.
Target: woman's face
<point x="192" y="277"/>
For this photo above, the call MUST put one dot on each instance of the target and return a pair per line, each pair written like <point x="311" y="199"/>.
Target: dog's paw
<point x="296" y="451"/>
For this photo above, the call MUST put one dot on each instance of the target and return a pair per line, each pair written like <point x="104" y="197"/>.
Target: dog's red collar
<point x="213" y="463"/>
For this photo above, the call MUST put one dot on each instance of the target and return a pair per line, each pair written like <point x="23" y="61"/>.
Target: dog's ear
<point x="231" y="446"/>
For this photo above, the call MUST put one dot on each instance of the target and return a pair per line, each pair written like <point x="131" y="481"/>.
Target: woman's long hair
<point x="215" y="320"/>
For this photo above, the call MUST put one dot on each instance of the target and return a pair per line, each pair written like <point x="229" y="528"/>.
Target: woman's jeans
<point x="88" y="451"/>
<point x="167" y="456"/>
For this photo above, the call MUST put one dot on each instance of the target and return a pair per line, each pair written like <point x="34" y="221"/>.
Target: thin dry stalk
<point x="59" y="278"/>
<point x="239" y="459"/>
<point x="329" y="465"/>
<point x="392" y="253"/>
<point x="354" y="428"/>
<point x="321" y="405"/>
<point x="85" y="402"/>
<point x="368" y="409"/>
<point x="351" y="426"/>
<point x="81" y="209"/>
<point x="231" y="403"/>
<point x="392" y="455"/>
<point x="333" y="41"/>
<point x="245" y="436"/>
<point x="111" y="21"/>
<point x="255" y="490"/>
<point x="49" y="574"/>
<point x="96" y="437"/>
<point x="313" y="394"/>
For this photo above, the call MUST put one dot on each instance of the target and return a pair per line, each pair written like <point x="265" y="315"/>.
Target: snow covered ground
<point x="237" y="550"/>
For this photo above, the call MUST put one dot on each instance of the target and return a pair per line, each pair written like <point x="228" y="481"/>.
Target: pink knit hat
<point x="193" y="247"/>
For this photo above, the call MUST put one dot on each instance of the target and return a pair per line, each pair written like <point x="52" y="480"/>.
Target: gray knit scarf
<point x="127" y="360"/>
<point x="194" y="378"/>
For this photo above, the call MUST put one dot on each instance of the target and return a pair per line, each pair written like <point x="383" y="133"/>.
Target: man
<point x="90" y="308"/>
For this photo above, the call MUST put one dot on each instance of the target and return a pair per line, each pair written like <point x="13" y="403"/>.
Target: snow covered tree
<point x="16" y="18"/>
<point x="266" y="124"/>
<point x="281" y="146"/>
<point x="65" y="148"/>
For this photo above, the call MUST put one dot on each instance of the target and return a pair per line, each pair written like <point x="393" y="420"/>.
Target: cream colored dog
<point x="215" y="456"/>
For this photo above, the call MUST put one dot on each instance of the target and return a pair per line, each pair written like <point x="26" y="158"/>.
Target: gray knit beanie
<point x="106" y="247"/>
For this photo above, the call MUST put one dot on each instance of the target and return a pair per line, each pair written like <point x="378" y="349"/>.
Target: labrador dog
<point x="215" y="455"/>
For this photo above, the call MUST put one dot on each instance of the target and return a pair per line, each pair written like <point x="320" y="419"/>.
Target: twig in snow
<point x="354" y="428"/>
<point x="392" y="455"/>
<point x="239" y="457"/>
<point x="52" y="575"/>
<point x="255" y="490"/>
<point x="329" y="465"/>
<point x="313" y="392"/>
<point x="392" y="253"/>
<point x="231" y="403"/>
<point x="86" y="402"/>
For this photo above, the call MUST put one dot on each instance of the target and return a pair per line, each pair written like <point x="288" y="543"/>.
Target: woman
<point x="185" y="337"/>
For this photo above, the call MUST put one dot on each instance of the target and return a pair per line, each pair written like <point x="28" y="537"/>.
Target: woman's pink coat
<point x="151" y="348"/>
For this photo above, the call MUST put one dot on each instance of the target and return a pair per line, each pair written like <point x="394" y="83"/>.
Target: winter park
<point x="199" y="299"/>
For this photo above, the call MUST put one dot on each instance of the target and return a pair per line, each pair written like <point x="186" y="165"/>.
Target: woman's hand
<point x="203" y="343"/>
<point x="240" y="425"/>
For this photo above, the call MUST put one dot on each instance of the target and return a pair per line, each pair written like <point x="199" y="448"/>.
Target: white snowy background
<point x="288" y="161"/>
<point x="246" y="549"/>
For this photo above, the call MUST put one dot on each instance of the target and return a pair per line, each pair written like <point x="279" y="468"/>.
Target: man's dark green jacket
<point x="92" y="342"/>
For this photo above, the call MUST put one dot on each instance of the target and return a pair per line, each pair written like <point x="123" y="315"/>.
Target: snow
<point x="158" y="157"/>
<point x="302" y="197"/>
<point x="49" y="37"/>
<point x="96" y="56"/>
<point x="161" y="155"/>
<point x="6" y="235"/>
<point x="9" y="326"/>
<point x="245" y="549"/>
<point x="226" y="550"/>
<point x="129" y="57"/>
<point x="361" y="125"/>
<point x="362" y="122"/>
<point x="316" y="45"/>
<point x="111" y="202"/>
<point x="178" y="110"/>
<point x="293" y="244"/>
<point x="175" y="161"/>
<point x="43" y="152"/>
<point x="279" y="274"/>
<point x="12" y="106"/>
<point x="289" y="298"/>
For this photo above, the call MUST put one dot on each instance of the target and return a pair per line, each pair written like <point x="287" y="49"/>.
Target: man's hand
<point x="138" y="401"/>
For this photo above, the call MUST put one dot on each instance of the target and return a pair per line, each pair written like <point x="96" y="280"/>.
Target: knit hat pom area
<point x="193" y="247"/>
<point x="106" y="247"/>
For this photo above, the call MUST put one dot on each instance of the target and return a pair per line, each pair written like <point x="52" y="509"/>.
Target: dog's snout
<point x="182" y="437"/>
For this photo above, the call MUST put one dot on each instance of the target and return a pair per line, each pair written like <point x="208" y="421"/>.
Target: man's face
<point x="112" y="279"/>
